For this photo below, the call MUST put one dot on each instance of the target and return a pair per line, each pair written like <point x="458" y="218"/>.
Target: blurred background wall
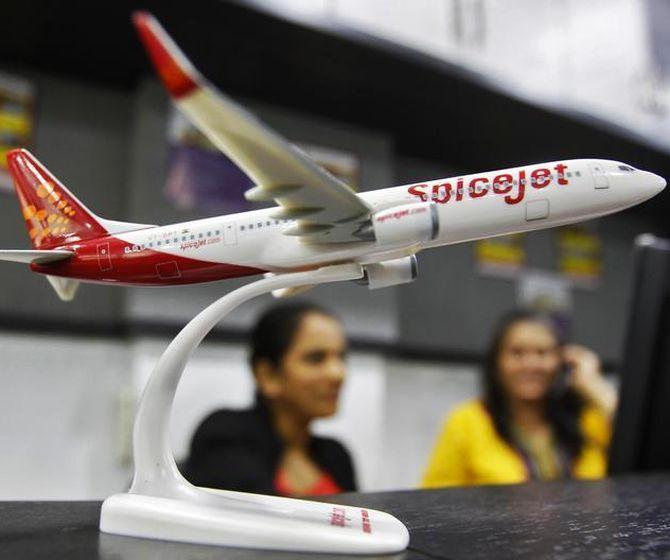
<point x="321" y="75"/>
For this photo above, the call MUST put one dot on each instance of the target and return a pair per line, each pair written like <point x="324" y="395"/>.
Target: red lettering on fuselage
<point x="540" y="178"/>
<point x="459" y="190"/>
<point x="441" y="193"/>
<point x="520" y="189"/>
<point x="502" y="184"/>
<point x="560" y="170"/>
<point x="416" y="190"/>
<point x="514" y="189"/>
<point x="483" y="183"/>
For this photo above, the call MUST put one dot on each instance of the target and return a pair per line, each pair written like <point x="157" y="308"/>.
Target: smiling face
<point x="528" y="361"/>
<point x="312" y="370"/>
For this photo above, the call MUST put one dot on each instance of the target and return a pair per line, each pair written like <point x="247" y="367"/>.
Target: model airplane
<point x="319" y="219"/>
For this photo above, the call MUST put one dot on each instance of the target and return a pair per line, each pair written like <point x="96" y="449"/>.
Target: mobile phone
<point x="560" y="385"/>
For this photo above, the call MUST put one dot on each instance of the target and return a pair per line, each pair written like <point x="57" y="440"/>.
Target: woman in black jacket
<point x="298" y="355"/>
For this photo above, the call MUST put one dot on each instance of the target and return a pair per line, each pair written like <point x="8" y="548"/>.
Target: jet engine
<point x="390" y="273"/>
<point x="406" y="224"/>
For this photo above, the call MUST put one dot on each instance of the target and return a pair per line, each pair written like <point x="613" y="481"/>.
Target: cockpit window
<point x="625" y="168"/>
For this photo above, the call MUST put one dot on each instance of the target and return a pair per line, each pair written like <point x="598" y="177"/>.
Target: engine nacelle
<point x="407" y="224"/>
<point x="390" y="273"/>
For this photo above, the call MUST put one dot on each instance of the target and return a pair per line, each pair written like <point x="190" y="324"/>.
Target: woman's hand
<point x="584" y="376"/>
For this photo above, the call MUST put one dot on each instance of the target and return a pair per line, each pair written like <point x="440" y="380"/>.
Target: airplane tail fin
<point x="54" y="216"/>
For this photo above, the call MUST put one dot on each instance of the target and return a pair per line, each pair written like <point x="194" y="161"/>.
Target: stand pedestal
<point x="162" y="504"/>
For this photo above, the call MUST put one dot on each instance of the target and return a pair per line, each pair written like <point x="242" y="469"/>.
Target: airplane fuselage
<point x="468" y="207"/>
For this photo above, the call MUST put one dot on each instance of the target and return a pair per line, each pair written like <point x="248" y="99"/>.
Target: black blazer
<point x="239" y="450"/>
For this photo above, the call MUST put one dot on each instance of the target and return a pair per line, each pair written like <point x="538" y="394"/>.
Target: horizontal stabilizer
<point x="113" y="226"/>
<point x="34" y="256"/>
<point x="66" y="288"/>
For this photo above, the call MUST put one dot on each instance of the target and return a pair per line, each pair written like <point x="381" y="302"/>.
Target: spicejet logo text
<point x="513" y="188"/>
<point x="399" y="214"/>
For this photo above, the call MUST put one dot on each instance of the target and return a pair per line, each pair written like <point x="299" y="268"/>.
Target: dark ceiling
<point x="433" y="110"/>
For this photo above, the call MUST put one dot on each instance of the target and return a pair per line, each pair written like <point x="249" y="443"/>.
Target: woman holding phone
<point x="545" y="413"/>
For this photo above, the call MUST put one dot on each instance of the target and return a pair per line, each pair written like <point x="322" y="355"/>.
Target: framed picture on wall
<point x="17" y="120"/>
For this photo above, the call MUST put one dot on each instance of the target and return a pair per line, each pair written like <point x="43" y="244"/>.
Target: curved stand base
<point x="255" y="521"/>
<point x="161" y="504"/>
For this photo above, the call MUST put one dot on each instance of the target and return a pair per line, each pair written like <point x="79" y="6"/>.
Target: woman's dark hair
<point x="275" y="330"/>
<point x="563" y="404"/>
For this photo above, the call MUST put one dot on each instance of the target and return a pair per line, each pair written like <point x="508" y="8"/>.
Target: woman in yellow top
<point x="545" y="413"/>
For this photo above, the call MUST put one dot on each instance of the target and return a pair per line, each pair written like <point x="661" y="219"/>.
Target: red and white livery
<point x="318" y="219"/>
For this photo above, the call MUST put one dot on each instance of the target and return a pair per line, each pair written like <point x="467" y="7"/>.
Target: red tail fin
<point x="53" y="214"/>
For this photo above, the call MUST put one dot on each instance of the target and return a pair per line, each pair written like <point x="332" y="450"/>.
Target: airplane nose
<point x="652" y="183"/>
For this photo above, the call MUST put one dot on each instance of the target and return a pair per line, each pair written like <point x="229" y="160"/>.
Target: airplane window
<point x="241" y="228"/>
<point x="569" y="173"/>
<point x="176" y="240"/>
<point x="251" y="226"/>
<point x="183" y="238"/>
<point x="158" y="243"/>
<point x="625" y="168"/>
<point x="260" y="224"/>
<point x="192" y="237"/>
<point x="151" y="244"/>
<point x="268" y="223"/>
<point x="209" y="234"/>
<point x="200" y="236"/>
<point x="217" y="232"/>
<point x="578" y="173"/>
<point x="276" y="222"/>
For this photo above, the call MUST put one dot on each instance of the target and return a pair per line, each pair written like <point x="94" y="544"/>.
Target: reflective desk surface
<point x="627" y="517"/>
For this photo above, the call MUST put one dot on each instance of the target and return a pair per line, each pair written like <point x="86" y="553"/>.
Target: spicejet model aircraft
<point x="318" y="220"/>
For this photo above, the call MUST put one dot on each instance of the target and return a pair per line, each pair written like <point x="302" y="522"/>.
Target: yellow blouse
<point x="469" y="450"/>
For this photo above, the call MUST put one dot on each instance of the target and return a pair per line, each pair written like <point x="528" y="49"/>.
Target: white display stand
<point x="162" y="504"/>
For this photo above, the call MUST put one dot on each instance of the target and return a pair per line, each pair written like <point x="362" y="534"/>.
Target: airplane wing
<point x="34" y="256"/>
<point x="325" y="208"/>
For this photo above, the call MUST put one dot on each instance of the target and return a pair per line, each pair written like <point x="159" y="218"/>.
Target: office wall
<point x="61" y="435"/>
